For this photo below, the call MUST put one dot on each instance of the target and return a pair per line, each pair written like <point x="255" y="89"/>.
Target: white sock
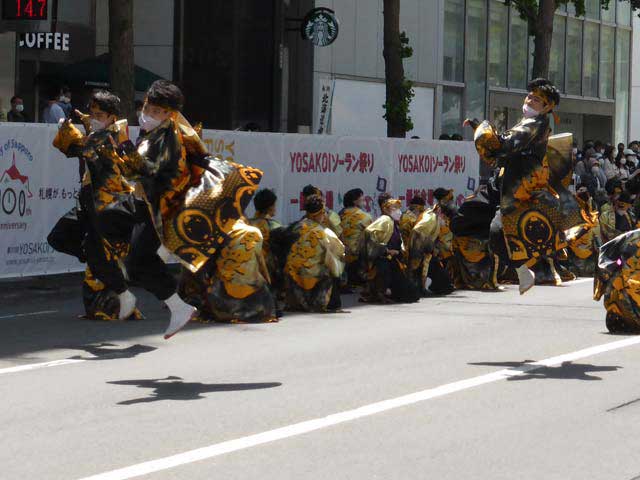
<point x="181" y="313"/>
<point x="526" y="278"/>
<point x="127" y="304"/>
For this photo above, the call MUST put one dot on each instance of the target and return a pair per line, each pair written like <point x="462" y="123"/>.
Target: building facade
<point x="473" y="58"/>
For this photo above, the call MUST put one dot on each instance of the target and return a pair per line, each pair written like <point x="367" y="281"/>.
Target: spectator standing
<point x="611" y="170"/>
<point x="53" y="112"/>
<point x="16" y="114"/>
<point x="620" y="153"/>
<point x="622" y="166"/>
<point x="631" y="160"/>
<point x="597" y="171"/>
<point x="64" y="100"/>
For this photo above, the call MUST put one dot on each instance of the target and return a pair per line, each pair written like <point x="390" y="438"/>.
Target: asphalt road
<point x="235" y="401"/>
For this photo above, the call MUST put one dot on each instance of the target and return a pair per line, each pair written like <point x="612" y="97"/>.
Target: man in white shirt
<point x="53" y="112"/>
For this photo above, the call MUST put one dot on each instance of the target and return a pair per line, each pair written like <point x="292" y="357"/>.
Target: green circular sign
<point x="320" y="27"/>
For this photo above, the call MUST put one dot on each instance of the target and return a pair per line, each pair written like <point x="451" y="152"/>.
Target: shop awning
<point x="94" y="72"/>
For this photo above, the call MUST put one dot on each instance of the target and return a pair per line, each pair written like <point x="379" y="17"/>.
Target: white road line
<point x="35" y="366"/>
<point x="349" y="415"/>
<point x="579" y="280"/>
<point x="16" y="315"/>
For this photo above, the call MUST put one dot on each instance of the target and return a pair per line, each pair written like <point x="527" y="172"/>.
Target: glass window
<point x="590" y="62"/>
<point x="451" y="111"/>
<point x="624" y="13"/>
<point x="609" y="15"/>
<point x="622" y="85"/>
<point x="592" y="9"/>
<point x="475" y="70"/>
<point x="498" y="43"/>
<point x="532" y="49"/>
<point x="607" y="39"/>
<point x="556" y="60"/>
<point x="574" y="59"/>
<point x="518" y="43"/>
<point x="72" y="11"/>
<point x="454" y="41"/>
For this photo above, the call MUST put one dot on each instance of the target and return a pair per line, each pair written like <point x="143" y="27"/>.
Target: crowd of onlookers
<point x="598" y="164"/>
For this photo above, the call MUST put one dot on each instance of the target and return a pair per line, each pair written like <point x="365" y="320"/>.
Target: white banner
<point x="38" y="184"/>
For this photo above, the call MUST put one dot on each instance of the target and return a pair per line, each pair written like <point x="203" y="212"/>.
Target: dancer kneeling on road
<point x="315" y="262"/>
<point x="388" y="279"/>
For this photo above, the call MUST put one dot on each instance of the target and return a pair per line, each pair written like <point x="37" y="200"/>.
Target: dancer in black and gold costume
<point x="353" y="220"/>
<point x="388" y="276"/>
<point x="99" y="229"/>
<point x="315" y="262"/>
<point x="534" y="215"/>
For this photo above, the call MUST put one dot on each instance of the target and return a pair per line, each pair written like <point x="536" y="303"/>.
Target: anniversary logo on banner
<point x="335" y="165"/>
<point x="419" y="167"/>
<point x="37" y="186"/>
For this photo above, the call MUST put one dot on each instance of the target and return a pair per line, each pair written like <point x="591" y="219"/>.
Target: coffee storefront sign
<point x="46" y="40"/>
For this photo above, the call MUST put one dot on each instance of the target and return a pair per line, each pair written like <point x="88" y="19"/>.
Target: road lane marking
<point x="301" y="428"/>
<point x="35" y="366"/>
<point x="16" y="315"/>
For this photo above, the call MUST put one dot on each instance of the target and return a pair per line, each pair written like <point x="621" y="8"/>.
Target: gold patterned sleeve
<point x="335" y="253"/>
<point x="491" y="146"/>
<point x="381" y="230"/>
<point x="68" y="137"/>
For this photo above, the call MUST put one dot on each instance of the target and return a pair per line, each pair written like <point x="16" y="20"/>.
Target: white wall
<point x="152" y="37"/>
<point x="357" y="110"/>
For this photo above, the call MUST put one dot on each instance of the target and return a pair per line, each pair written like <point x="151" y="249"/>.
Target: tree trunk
<point x="394" y="69"/>
<point x="542" y="39"/>
<point x="121" y="50"/>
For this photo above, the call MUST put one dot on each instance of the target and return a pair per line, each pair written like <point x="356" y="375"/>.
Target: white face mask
<point x="396" y="214"/>
<point x="575" y="151"/>
<point x="64" y="99"/>
<point x="20" y="108"/>
<point x="148" y="123"/>
<point x="97" y="125"/>
<point x="623" y="161"/>
<point x="529" y="112"/>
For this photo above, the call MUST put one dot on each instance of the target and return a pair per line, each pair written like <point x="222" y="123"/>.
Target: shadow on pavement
<point x="105" y="351"/>
<point x="174" y="388"/>
<point x="566" y="371"/>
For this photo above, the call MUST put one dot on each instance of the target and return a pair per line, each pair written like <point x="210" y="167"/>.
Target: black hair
<point x="440" y="193"/>
<point x="384" y="198"/>
<point x="138" y="104"/>
<point x="314" y="204"/>
<point x="52" y="92"/>
<point x="625" y="197"/>
<point x="444" y="136"/>
<point x="310" y="190"/>
<point x="264" y="200"/>
<point x="166" y="95"/>
<point x="65" y="89"/>
<point x="457" y="137"/>
<point x="351" y="196"/>
<point x="14" y="98"/>
<point x="106" y="101"/>
<point x="612" y="184"/>
<point x="546" y="87"/>
<point x="598" y="144"/>
<point x="418" y="200"/>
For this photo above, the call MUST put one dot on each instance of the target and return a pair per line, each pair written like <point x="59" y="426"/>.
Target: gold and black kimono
<point x="233" y="287"/>
<point x="475" y="265"/>
<point x="388" y="276"/>
<point x="584" y="244"/>
<point x="613" y="224"/>
<point x="267" y="227"/>
<point x="101" y="226"/>
<point x="408" y="220"/>
<point x="618" y="281"/>
<point x="353" y="220"/>
<point x="313" y="268"/>
<point x="195" y="198"/>
<point x="535" y="206"/>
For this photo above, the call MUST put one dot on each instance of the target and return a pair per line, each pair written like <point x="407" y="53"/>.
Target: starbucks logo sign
<point x="320" y="27"/>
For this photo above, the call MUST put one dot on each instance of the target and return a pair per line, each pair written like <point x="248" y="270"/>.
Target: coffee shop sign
<point x="45" y="40"/>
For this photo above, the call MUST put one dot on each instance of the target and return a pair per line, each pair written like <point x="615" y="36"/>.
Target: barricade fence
<point x="38" y="184"/>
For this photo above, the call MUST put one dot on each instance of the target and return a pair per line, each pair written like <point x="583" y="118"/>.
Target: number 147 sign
<point x="24" y="9"/>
